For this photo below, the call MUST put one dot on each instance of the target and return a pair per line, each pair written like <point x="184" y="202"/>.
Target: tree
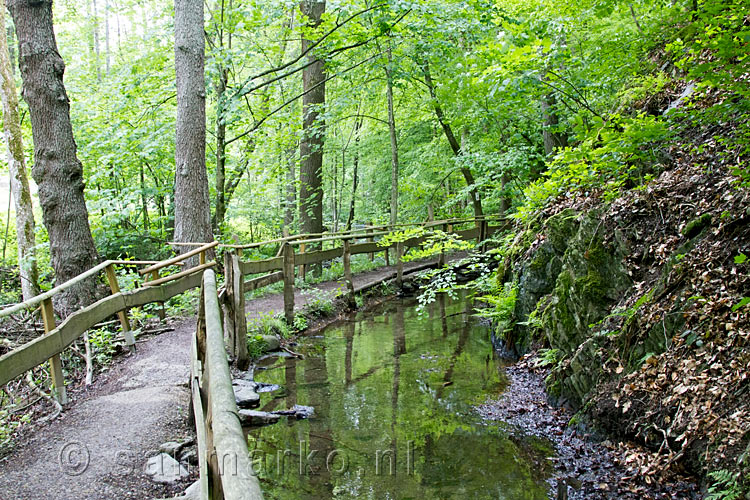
<point x="393" y="136"/>
<point x="313" y="125"/>
<point x="192" y="215"/>
<point x="57" y="170"/>
<point x="455" y="146"/>
<point x="19" y="182"/>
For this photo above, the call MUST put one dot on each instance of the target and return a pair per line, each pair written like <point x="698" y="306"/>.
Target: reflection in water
<point x="392" y="392"/>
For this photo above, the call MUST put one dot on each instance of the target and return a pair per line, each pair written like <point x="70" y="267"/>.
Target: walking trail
<point x="98" y="447"/>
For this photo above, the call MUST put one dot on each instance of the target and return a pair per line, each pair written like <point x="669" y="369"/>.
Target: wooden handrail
<point x="51" y="293"/>
<point x="228" y="458"/>
<point x="179" y="258"/>
<point x="179" y="275"/>
<point x="40" y="349"/>
<point x="354" y="233"/>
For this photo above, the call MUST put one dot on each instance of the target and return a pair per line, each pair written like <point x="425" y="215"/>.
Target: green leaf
<point x="742" y="303"/>
<point x="740" y="259"/>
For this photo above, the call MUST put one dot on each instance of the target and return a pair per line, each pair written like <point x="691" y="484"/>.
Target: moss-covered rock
<point x="592" y="280"/>
<point x="537" y="274"/>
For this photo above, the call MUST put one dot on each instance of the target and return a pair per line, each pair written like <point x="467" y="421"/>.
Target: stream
<point x="394" y="394"/>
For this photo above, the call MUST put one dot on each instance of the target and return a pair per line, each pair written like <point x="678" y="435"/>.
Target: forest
<point x="599" y="147"/>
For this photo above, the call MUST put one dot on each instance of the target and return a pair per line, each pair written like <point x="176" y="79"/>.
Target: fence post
<point x="441" y="258"/>
<point x="399" y="264"/>
<point x="348" y="272"/>
<point x="229" y="329"/>
<point x="302" y="269"/>
<point x="114" y="286"/>
<point x="371" y="239"/>
<point x="55" y="364"/>
<point x="289" y="283"/>
<point x="240" y="323"/>
<point x="160" y="312"/>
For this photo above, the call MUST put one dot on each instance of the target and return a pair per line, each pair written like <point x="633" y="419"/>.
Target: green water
<point x="392" y="392"/>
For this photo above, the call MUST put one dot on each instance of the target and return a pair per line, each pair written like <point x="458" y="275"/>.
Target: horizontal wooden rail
<point x="179" y="258"/>
<point x="39" y="350"/>
<point x="227" y="471"/>
<point x="353" y="233"/>
<point x="51" y="293"/>
<point x="262" y="266"/>
<point x="179" y="275"/>
<point x="268" y="279"/>
<point x="318" y="256"/>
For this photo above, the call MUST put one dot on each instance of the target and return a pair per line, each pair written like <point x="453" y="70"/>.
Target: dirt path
<point x="98" y="447"/>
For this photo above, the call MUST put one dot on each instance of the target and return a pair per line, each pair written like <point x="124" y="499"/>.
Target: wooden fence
<point x="58" y="337"/>
<point x="225" y="466"/>
<point x="266" y="272"/>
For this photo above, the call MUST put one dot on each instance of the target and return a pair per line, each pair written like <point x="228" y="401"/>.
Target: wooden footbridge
<point x="225" y="468"/>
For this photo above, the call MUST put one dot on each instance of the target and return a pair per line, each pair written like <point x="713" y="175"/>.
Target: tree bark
<point x="95" y="27"/>
<point x="19" y="182"/>
<point x="355" y="174"/>
<point x="144" y="200"/>
<point x="221" y="149"/>
<point x="192" y="212"/>
<point x="552" y="139"/>
<point x="394" y="141"/>
<point x="57" y="170"/>
<point x="476" y="201"/>
<point x="313" y="130"/>
<point x="106" y="37"/>
<point x="290" y="202"/>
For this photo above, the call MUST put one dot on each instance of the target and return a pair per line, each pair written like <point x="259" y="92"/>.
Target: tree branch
<point x="289" y="101"/>
<point x="302" y="54"/>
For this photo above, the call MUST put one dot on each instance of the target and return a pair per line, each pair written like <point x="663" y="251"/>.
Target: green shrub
<point x="270" y="324"/>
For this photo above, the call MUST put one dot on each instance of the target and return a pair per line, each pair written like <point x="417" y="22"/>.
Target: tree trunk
<point x="506" y="200"/>
<point x="95" y="27"/>
<point x="313" y="130"/>
<point x="553" y="139"/>
<point x="144" y="200"/>
<point x="455" y="146"/>
<point x="221" y="147"/>
<point x="355" y="174"/>
<point x="192" y="211"/>
<point x="57" y="170"/>
<point x="334" y="197"/>
<point x="392" y="130"/>
<point x="12" y="50"/>
<point x="106" y="37"/>
<point x="19" y="182"/>
<point x="290" y="203"/>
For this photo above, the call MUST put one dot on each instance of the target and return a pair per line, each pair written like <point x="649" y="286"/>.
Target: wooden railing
<point x="224" y="461"/>
<point x="225" y="467"/>
<point x="58" y="337"/>
<point x="287" y="261"/>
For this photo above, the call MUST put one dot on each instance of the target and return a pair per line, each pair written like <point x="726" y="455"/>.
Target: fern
<point x="725" y="486"/>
